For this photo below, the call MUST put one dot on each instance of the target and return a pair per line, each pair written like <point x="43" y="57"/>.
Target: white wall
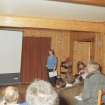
<point x="10" y="51"/>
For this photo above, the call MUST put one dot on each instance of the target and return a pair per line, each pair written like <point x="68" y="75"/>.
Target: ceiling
<point x="52" y="10"/>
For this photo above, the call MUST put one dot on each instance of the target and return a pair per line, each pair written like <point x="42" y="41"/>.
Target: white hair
<point x="93" y="66"/>
<point x="11" y="95"/>
<point x="41" y="93"/>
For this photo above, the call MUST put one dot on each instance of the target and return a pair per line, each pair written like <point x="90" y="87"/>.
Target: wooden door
<point x="81" y="52"/>
<point x="26" y="59"/>
<point x="45" y="46"/>
<point x="34" y="58"/>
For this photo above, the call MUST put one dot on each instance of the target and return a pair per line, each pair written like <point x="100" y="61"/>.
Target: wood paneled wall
<point x="99" y="45"/>
<point x="100" y="50"/>
<point x="103" y="39"/>
<point x="60" y="31"/>
<point x="60" y="41"/>
<point x="103" y="52"/>
<point x="80" y="36"/>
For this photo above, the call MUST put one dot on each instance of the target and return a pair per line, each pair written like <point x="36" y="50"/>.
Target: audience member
<point x="80" y="66"/>
<point x="67" y="66"/>
<point x="10" y="96"/>
<point x="41" y="93"/>
<point x="94" y="82"/>
<point x="60" y="83"/>
<point x="82" y="72"/>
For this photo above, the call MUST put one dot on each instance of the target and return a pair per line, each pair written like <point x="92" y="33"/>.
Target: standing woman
<point x="51" y="66"/>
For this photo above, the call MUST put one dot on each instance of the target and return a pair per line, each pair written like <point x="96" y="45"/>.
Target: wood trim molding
<point x="87" y="2"/>
<point x="6" y="21"/>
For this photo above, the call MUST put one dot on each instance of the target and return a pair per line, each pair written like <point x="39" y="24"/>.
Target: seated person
<point x="10" y="96"/>
<point x="41" y="92"/>
<point x="67" y="63"/>
<point x="78" y="78"/>
<point x="81" y="67"/>
<point x="94" y="82"/>
<point x="82" y="72"/>
<point x="60" y="83"/>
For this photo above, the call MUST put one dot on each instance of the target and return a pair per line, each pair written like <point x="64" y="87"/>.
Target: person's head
<point x="51" y="52"/>
<point x="41" y="92"/>
<point x="11" y="94"/>
<point x="80" y="65"/>
<point x="93" y="67"/>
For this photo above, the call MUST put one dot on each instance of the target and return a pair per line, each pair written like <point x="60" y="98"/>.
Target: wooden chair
<point x="100" y="97"/>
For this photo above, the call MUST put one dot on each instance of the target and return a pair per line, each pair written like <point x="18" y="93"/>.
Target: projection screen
<point x="10" y="56"/>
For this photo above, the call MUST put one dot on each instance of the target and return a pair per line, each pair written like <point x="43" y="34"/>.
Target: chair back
<point x="100" y="93"/>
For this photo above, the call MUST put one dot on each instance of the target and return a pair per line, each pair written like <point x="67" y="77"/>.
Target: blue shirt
<point x="51" y="62"/>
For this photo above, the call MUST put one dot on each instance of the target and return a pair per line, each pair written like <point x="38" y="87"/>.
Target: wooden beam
<point x="6" y="21"/>
<point x="87" y="2"/>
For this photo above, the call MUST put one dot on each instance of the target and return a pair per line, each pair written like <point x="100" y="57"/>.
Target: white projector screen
<point x="10" y="51"/>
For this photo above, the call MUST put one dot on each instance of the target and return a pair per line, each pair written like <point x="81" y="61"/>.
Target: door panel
<point x="81" y="52"/>
<point x="34" y="58"/>
<point x="44" y="54"/>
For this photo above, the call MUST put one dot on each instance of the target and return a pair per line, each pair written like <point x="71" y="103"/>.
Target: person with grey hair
<point x="41" y="92"/>
<point x="94" y="82"/>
